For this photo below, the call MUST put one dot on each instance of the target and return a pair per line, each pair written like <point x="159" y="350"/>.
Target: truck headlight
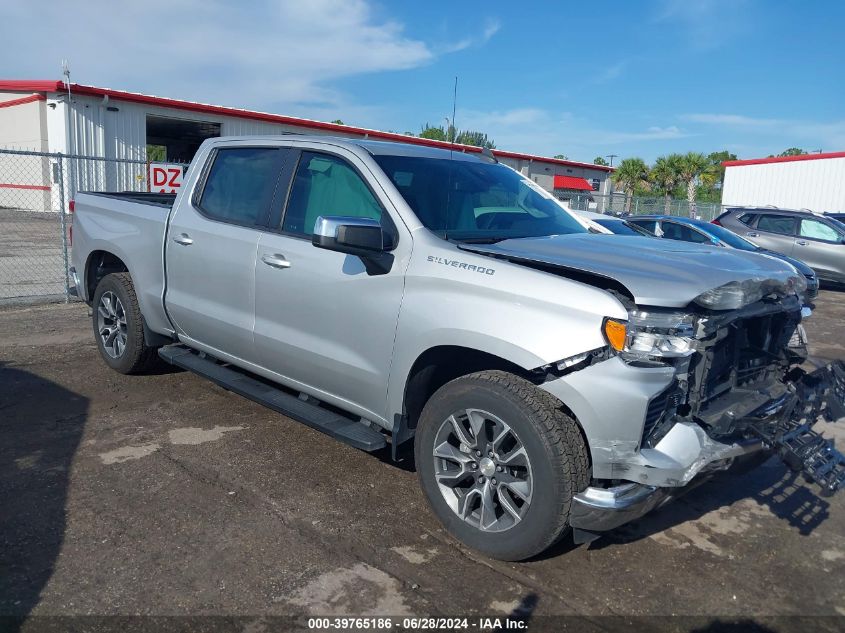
<point x="650" y="334"/>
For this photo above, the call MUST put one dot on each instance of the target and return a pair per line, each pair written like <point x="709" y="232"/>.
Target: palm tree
<point x="693" y="165"/>
<point x="666" y="176"/>
<point x="630" y="173"/>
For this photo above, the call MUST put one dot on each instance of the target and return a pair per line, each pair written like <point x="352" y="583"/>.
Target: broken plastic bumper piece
<point x="790" y="432"/>
<point x="784" y="426"/>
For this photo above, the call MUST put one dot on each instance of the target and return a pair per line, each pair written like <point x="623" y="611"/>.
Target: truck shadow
<point x="41" y="424"/>
<point x="772" y="486"/>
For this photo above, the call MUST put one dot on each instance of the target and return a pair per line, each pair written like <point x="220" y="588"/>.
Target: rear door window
<point x="816" y="230"/>
<point x="648" y="225"/>
<point x="675" y="231"/>
<point x="240" y="185"/>
<point x="747" y="218"/>
<point x="780" y="224"/>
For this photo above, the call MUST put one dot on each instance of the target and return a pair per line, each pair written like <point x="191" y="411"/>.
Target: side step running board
<point x="341" y="428"/>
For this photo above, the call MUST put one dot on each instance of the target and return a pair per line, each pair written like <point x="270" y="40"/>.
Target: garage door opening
<point x="177" y="140"/>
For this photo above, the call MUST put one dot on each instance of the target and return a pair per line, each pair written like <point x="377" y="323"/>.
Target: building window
<point x="596" y="184"/>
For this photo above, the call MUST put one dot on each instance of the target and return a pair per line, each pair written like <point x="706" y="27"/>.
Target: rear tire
<point x="505" y="489"/>
<point x="119" y="326"/>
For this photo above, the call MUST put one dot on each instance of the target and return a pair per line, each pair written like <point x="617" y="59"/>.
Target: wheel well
<point x="438" y="365"/>
<point x="100" y="264"/>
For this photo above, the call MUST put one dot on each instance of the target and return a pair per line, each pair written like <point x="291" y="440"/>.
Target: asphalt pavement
<point x="166" y="495"/>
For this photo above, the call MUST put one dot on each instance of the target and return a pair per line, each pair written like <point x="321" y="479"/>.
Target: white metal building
<point x="808" y="181"/>
<point x="39" y="115"/>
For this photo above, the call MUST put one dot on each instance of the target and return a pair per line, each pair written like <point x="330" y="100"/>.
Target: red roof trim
<point x="782" y="159"/>
<point x="59" y="86"/>
<point x="31" y="85"/>
<point x="572" y="182"/>
<point x="22" y="100"/>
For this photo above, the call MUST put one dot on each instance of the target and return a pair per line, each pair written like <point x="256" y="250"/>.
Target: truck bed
<point x="143" y="197"/>
<point x="132" y="226"/>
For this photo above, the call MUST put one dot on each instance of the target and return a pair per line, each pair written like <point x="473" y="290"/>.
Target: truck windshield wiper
<point x="481" y="240"/>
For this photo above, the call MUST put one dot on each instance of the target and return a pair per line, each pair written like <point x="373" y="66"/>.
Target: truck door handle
<point x="275" y="260"/>
<point x="752" y="234"/>
<point x="801" y="242"/>
<point x="183" y="239"/>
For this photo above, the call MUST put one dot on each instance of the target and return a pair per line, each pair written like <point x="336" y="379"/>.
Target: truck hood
<point x="655" y="272"/>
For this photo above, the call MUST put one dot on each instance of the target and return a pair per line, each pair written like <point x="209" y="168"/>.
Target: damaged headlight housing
<point x="652" y="334"/>
<point x="738" y="294"/>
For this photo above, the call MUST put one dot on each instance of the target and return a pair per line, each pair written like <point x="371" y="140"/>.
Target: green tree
<point x="433" y="133"/>
<point x="338" y="122"/>
<point x="452" y="135"/>
<point x="598" y="160"/>
<point x="792" y="151"/>
<point x="714" y="176"/>
<point x="692" y="165"/>
<point x="631" y="173"/>
<point x="562" y="156"/>
<point x="478" y="139"/>
<point x="156" y="153"/>
<point x="665" y="176"/>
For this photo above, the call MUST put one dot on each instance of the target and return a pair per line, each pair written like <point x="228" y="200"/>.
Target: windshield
<point x="471" y="201"/>
<point x="729" y="238"/>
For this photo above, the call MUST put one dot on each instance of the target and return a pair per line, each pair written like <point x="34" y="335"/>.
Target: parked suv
<point x="701" y="232"/>
<point x="818" y="240"/>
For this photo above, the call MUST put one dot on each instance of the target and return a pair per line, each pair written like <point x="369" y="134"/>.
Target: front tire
<point x="119" y="326"/>
<point x="499" y="462"/>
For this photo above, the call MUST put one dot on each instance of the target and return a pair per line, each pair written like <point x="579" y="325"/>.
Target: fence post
<point x="60" y="171"/>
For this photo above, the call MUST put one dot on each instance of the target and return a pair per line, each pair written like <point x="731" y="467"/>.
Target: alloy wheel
<point x="111" y="324"/>
<point x="482" y="470"/>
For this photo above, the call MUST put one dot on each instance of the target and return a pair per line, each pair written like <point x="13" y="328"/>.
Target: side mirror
<point x="363" y="237"/>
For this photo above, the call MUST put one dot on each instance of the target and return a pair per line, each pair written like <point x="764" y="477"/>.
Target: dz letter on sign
<point x="165" y="177"/>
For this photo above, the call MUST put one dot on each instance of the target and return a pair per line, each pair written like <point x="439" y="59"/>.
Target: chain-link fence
<point x="35" y="189"/>
<point x="615" y="203"/>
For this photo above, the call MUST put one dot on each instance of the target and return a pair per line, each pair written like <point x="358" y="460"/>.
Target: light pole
<point x="611" y="157"/>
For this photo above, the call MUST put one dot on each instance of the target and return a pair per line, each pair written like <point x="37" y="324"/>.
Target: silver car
<point x="817" y="240"/>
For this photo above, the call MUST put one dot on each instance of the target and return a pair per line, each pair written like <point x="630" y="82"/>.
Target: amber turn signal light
<point x="615" y="333"/>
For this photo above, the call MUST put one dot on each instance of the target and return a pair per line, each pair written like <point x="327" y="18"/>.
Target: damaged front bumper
<point x="686" y="455"/>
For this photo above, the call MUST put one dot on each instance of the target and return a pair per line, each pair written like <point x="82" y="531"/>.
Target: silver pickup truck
<point x="547" y="377"/>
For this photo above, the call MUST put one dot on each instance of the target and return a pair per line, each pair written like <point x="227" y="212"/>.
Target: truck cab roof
<point x="375" y="148"/>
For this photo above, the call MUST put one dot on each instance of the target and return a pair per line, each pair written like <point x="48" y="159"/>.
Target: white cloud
<point x="491" y="27"/>
<point x="265" y="54"/>
<point x="728" y="119"/>
<point x="828" y="135"/>
<point x="705" y="24"/>
<point x="548" y="133"/>
<point x="611" y="72"/>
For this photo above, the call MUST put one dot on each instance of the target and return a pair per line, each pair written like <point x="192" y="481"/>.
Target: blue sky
<point x="580" y="79"/>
